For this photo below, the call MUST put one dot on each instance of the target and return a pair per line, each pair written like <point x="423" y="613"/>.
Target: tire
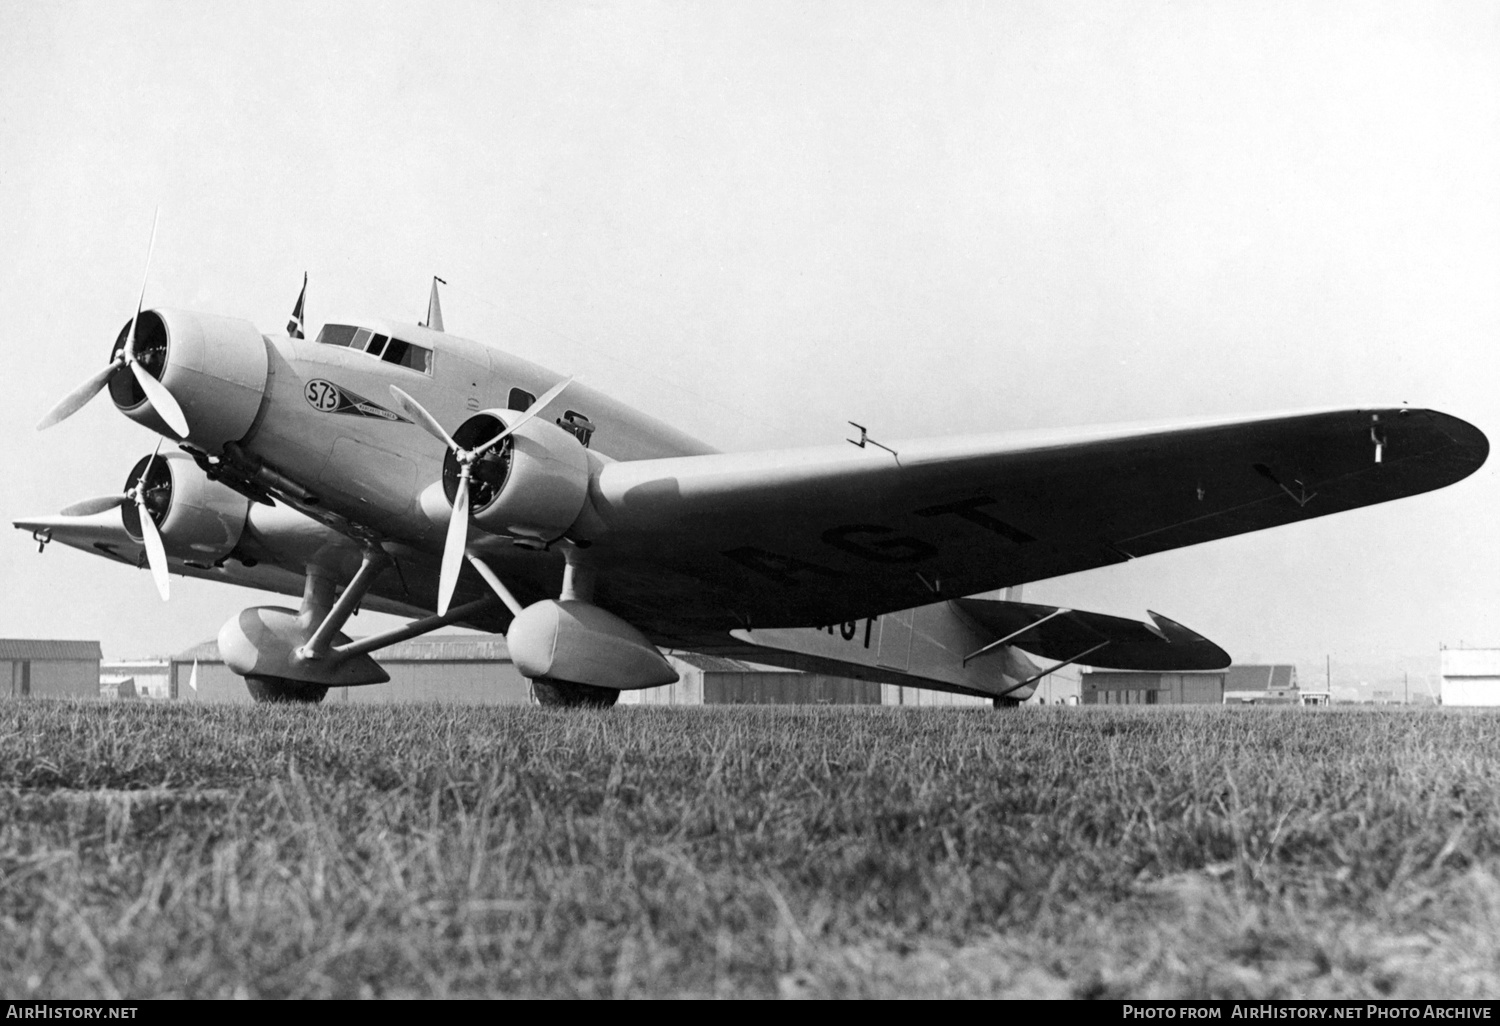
<point x="279" y="689"/>
<point x="1007" y="703"/>
<point x="560" y="694"/>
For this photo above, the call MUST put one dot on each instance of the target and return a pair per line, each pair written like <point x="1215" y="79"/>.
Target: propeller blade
<point x="458" y="540"/>
<point x="145" y="277"/>
<point x="536" y="407"/>
<point x="88" y="507"/>
<point x="421" y="416"/>
<point x="156" y="553"/>
<point x="161" y="400"/>
<point x="80" y="396"/>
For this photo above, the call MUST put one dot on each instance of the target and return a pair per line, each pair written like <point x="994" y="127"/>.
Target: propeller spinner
<point x="458" y="524"/>
<point x="145" y="365"/>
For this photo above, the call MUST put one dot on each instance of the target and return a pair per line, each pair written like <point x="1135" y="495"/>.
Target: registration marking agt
<point x="874" y="543"/>
<point x="849" y="629"/>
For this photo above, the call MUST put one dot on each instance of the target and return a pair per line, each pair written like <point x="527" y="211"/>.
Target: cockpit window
<point x="336" y="335"/>
<point x="391" y="350"/>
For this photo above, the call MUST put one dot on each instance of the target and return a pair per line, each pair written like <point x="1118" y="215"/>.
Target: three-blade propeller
<point x="458" y="524"/>
<point x="161" y="399"/>
<point x="156" y="553"/>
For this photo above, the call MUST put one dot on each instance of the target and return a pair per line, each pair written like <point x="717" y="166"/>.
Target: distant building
<point x="715" y="680"/>
<point x="1471" y="676"/>
<point x="49" y="669"/>
<point x="1275" y="684"/>
<point x="135" y="678"/>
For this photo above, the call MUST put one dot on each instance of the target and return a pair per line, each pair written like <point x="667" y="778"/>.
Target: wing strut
<point x="1013" y="635"/>
<point x="1047" y="673"/>
<point x="493" y="580"/>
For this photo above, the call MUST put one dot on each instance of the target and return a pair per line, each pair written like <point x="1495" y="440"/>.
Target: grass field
<point x="165" y="850"/>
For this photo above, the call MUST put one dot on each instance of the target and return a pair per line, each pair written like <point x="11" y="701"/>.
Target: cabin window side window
<point x="520" y="400"/>
<point x="406" y="354"/>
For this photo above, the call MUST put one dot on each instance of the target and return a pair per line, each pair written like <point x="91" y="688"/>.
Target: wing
<point x="690" y="546"/>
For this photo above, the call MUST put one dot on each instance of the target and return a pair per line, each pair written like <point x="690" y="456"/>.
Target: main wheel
<point x="1007" y="703"/>
<point x="279" y="689"/>
<point x="561" y="694"/>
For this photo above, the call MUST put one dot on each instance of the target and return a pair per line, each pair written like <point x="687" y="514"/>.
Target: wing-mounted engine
<point x="530" y="487"/>
<point x="215" y="367"/>
<point x="200" y="521"/>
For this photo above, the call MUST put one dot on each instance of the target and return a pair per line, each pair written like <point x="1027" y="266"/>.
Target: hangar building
<point x="1471" y="676"/>
<point x="50" y="669"/>
<point x="134" y="678"/>
<point x="1264" y="683"/>
<point x="715" y="680"/>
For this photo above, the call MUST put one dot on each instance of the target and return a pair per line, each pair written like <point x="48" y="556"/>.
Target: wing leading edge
<point x="699" y="544"/>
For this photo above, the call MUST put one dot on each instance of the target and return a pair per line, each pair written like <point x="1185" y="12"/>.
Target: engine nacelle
<point x="531" y="486"/>
<point x="200" y="521"/>
<point x="215" y="367"/>
<point x="580" y="643"/>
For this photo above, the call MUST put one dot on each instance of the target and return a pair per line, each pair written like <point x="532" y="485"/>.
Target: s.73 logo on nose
<point x="321" y="395"/>
<point x="326" y="397"/>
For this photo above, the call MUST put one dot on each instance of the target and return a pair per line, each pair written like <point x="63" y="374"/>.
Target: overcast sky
<point x="761" y="220"/>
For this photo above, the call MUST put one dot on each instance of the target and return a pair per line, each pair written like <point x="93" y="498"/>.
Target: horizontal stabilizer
<point x="1111" y="642"/>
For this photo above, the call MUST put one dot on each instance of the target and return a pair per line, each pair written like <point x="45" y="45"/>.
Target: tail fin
<point x="1111" y="642"/>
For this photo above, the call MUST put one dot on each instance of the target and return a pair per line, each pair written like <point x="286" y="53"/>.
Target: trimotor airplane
<point x="404" y="469"/>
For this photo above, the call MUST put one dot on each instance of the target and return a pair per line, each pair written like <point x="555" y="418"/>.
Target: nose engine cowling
<point x="200" y="521"/>
<point x="215" y="367"/>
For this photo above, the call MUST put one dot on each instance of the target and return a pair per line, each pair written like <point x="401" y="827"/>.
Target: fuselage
<point x="328" y="420"/>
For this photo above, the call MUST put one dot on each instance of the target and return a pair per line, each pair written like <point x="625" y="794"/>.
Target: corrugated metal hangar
<point x="134" y="678"/>
<point x="50" y="669"/>
<point x="1249" y="683"/>
<point x="714" y="680"/>
<point x="1471" y="676"/>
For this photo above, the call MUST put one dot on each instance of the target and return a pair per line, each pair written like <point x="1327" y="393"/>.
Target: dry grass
<point x="155" y="850"/>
